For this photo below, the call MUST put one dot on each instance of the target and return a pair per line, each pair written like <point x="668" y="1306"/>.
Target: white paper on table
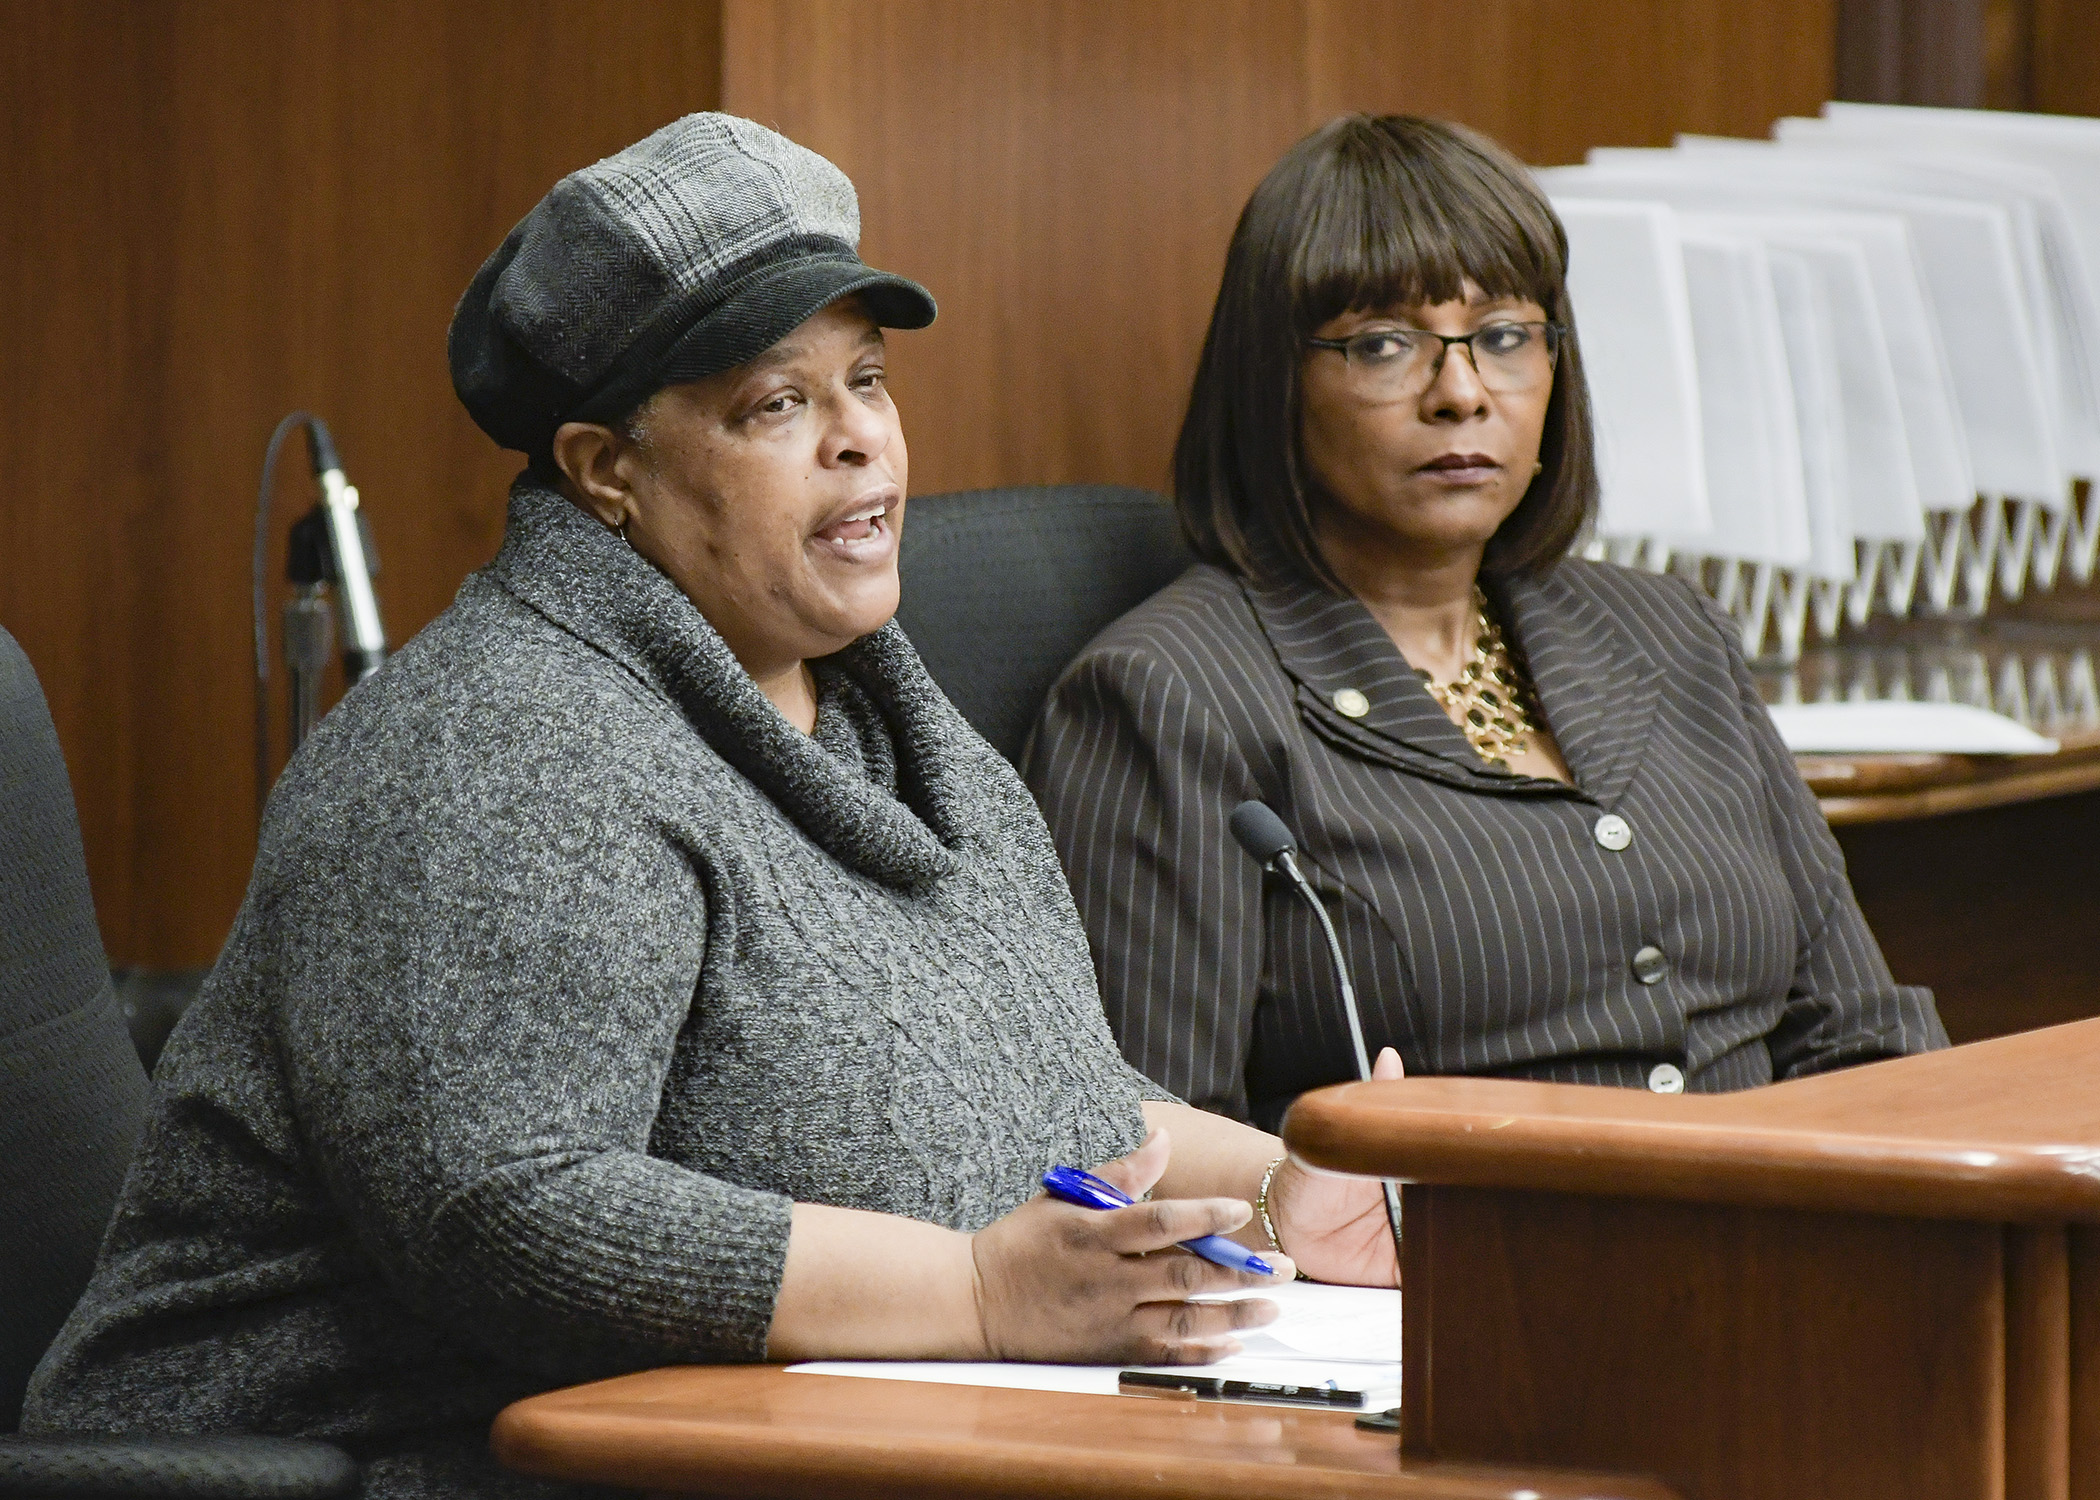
<point x="1970" y="265"/>
<point x="1903" y="728"/>
<point x="1746" y="404"/>
<point x="1932" y="425"/>
<point x="1633" y="315"/>
<point x="1347" y="1334"/>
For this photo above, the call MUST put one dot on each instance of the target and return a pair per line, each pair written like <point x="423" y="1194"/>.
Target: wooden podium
<point x="1879" y="1284"/>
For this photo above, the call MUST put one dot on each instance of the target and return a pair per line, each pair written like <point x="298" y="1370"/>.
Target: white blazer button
<point x="1666" y="1078"/>
<point x="1613" y="832"/>
<point x="1351" y="704"/>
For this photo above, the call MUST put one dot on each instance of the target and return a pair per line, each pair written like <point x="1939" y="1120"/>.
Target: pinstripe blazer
<point x="1488" y="926"/>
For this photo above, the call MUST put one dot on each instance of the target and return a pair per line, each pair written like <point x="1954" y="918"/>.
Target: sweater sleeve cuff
<point x="620" y="1253"/>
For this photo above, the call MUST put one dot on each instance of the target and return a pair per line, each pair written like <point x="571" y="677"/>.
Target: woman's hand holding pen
<point x="1058" y="1283"/>
<point x="1336" y="1226"/>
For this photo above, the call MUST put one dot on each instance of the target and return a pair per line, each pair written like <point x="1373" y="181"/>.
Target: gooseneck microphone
<point x="364" y="637"/>
<point x="1268" y="840"/>
<point x="329" y="548"/>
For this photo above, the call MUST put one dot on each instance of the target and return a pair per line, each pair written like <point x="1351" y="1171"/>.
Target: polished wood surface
<point x="1065" y="176"/>
<point x="2007" y="1129"/>
<point x="1992" y="909"/>
<point x="1882" y="1283"/>
<point x="1971" y="54"/>
<point x="2062" y="57"/>
<point x="228" y="208"/>
<point x="2038" y="1360"/>
<point x="2083" y="1338"/>
<point x="1890" y="788"/>
<point x="1976" y="872"/>
<point x="218" y="211"/>
<point x="1737" y="1353"/>
<point x="757" y="1431"/>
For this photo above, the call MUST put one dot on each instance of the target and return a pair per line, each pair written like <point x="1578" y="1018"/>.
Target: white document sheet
<point x="2067" y="148"/>
<point x="1819" y="407"/>
<point x="2051" y="243"/>
<point x="1898" y="728"/>
<point x="2037" y="222"/>
<point x="1634" y="321"/>
<point x="1349" y="1335"/>
<point x="1971" y="268"/>
<point x="1746" y="405"/>
<point x="1880" y="482"/>
<point x="1932" y="425"/>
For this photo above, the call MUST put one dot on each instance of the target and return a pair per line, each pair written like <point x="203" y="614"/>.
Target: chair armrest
<point x="143" y="1467"/>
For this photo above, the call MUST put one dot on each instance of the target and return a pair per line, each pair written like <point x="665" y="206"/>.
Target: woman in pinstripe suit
<point x="1539" y="796"/>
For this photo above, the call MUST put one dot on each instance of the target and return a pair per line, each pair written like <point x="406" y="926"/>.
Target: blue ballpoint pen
<point x="1089" y="1191"/>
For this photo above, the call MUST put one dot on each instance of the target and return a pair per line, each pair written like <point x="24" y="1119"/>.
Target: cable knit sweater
<point x="567" y="965"/>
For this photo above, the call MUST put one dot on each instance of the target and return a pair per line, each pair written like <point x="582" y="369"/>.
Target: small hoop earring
<point x="622" y="529"/>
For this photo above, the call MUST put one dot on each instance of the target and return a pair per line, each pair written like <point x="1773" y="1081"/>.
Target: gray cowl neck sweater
<point x="567" y="965"/>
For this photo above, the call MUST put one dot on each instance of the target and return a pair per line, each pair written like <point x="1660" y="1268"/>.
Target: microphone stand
<point x="351" y="558"/>
<point x="1267" y="839"/>
<point x="1287" y="863"/>
<point x="309" y="622"/>
<point x="330" y="561"/>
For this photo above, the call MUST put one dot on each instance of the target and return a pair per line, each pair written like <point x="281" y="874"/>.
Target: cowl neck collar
<point x="589" y="583"/>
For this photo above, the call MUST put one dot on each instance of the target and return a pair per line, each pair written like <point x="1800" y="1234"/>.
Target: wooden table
<point x="757" y="1431"/>
<point x="1880" y="1284"/>
<point x="1885" y="788"/>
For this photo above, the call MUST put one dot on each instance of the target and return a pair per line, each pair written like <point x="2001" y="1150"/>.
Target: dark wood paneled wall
<point x="2039" y="55"/>
<point x="2061" y="57"/>
<point x="217" y="211"/>
<point x="1065" y="175"/>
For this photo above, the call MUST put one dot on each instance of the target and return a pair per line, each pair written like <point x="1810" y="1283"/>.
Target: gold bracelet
<point x="1261" y="1206"/>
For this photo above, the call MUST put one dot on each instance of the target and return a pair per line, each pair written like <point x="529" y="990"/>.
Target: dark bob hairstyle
<point x="1365" y="215"/>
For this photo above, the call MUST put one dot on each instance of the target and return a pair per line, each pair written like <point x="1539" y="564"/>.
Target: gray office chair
<point x="1003" y="587"/>
<point x="72" y="1100"/>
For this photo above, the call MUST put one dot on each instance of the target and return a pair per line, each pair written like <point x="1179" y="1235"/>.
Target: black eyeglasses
<point x="1396" y="363"/>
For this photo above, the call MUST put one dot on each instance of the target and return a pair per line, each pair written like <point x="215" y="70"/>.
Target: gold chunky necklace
<point x="1491" y="700"/>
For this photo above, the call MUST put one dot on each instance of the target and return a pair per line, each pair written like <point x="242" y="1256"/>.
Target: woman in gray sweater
<point x="649" y="965"/>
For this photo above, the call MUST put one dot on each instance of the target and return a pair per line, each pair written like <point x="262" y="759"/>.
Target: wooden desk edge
<point x="2006" y="1130"/>
<point x="2025" y="785"/>
<point x="610" y="1432"/>
<point x="1739" y="1166"/>
<point x="1886" y="788"/>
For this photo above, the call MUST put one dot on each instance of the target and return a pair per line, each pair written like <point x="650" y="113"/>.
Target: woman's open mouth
<point x="866" y="531"/>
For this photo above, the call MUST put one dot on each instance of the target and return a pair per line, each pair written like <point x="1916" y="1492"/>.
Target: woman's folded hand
<point x="1336" y="1226"/>
<point x="1056" y="1283"/>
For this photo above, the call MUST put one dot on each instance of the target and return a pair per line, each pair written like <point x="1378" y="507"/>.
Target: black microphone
<point x="364" y="637"/>
<point x="1268" y="840"/>
<point x="1263" y="835"/>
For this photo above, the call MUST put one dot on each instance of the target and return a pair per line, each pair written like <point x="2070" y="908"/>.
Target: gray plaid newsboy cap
<point x="685" y="255"/>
